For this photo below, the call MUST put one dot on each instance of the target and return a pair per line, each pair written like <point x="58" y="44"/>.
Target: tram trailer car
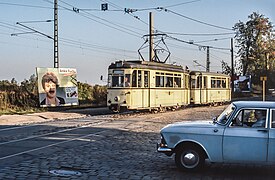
<point x="136" y="85"/>
<point x="209" y="88"/>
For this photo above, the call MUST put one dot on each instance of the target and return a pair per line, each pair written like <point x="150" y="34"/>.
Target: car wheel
<point x="189" y="158"/>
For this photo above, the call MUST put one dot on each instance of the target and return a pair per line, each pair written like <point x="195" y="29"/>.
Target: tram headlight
<point x="116" y="99"/>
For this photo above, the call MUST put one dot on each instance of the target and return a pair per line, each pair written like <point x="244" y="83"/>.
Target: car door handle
<point x="262" y="130"/>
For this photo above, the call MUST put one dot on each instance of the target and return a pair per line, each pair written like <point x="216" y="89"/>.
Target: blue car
<point x="243" y="133"/>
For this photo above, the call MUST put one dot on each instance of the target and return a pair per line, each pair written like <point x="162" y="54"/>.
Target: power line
<point x="119" y="8"/>
<point x="195" y="20"/>
<point x="66" y="40"/>
<point x="179" y="4"/>
<point x="211" y="40"/>
<point x="181" y="15"/>
<point x="11" y="26"/>
<point x="199" y="34"/>
<point x="91" y="17"/>
<point x="195" y="44"/>
<point x="25" y="5"/>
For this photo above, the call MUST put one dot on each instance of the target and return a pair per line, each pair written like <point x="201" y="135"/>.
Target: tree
<point x="226" y="68"/>
<point x="84" y="92"/>
<point x="100" y="94"/>
<point x="255" y="41"/>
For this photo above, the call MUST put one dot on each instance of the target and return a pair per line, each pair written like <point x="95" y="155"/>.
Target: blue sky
<point x="92" y="39"/>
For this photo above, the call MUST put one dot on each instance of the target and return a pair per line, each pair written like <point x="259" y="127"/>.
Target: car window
<point x="224" y="116"/>
<point x="255" y="118"/>
<point x="273" y="119"/>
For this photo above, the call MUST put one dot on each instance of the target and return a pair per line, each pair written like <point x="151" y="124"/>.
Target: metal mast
<point x="56" y="58"/>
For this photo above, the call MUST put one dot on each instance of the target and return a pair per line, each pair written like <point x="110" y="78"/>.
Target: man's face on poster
<point x="50" y="89"/>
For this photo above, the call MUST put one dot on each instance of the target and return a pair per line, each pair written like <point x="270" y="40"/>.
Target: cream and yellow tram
<point x="136" y="85"/>
<point x="209" y="88"/>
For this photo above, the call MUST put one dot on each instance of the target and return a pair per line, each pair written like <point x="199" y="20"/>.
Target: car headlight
<point x="116" y="99"/>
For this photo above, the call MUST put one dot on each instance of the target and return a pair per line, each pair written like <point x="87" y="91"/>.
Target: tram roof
<point x="147" y="65"/>
<point x="208" y="73"/>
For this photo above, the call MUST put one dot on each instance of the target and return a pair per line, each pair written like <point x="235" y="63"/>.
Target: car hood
<point x="189" y="125"/>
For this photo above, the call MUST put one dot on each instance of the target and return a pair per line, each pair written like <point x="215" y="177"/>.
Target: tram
<point x="137" y="85"/>
<point x="209" y="88"/>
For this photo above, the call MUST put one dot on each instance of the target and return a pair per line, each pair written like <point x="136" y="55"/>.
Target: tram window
<point x="169" y="82"/>
<point x="223" y="83"/>
<point x="117" y="81"/>
<point x="146" y="78"/>
<point x="159" y="81"/>
<point x="219" y="83"/>
<point x="199" y="81"/>
<point x="139" y="79"/>
<point x="109" y="80"/>
<point x="134" y="78"/>
<point x="193" y="83"/>
<point x="177" y="82"/>
<point x="127" y="80"/>
<point x="213" y="83"/>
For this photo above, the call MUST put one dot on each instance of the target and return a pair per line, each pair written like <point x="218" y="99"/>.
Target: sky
<point x="91" y="39"/>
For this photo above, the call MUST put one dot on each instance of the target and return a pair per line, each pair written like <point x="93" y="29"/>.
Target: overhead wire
<point x="200" y="34"/>
<point x="118" y="27"/>
<point x="217" y="34"/>
<point x="211" y="40"/>
<point x="198" y="21"/>
<point x="119" y="8"/>
<point x="91" y="17"/>
<point x="25" y="5"/>
<point x="67" y="41"/>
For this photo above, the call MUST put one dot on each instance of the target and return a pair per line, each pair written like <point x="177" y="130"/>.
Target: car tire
<point x="189" y="158"/>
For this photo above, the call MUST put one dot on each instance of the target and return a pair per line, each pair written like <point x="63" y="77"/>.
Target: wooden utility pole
<point x="264" y="79"/>
<point x="207" y="59"/>
<point x="232" y="66"/>
<point x="151" y="42"/>
<point x="56" y="57"/>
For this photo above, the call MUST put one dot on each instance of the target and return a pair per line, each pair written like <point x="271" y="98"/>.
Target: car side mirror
<point x="214" y="119"/>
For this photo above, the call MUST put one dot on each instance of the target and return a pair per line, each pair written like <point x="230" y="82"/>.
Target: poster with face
<point x="57" y="87"/>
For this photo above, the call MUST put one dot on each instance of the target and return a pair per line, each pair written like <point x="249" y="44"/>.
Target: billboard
<point x="242" y="84"/>
<point x="57" y="87"/>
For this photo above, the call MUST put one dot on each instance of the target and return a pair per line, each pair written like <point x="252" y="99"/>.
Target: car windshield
<point x="224" y="116"/>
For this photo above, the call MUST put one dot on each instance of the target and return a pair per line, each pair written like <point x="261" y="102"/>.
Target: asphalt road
<point x="103" y="147"/>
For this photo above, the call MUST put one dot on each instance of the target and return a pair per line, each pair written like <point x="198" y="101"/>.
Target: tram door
<point x="146" y="89"/>
<point x="198" y="89"/>
<point x="202" y="89"/>
<point x="140" y="94"/>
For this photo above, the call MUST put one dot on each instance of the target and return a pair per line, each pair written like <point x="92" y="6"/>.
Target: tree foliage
<point x="226" y="68"/>
<point x="14" y="96"/>
<point x="24" y="96"/>
<point x="256" y="44"/>
<point x="92" y="94"/>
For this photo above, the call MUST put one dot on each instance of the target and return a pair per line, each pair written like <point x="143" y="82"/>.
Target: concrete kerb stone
<point x="37" y="117"/>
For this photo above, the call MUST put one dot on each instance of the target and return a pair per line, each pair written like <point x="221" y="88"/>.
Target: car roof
<point x="254" y="104"/>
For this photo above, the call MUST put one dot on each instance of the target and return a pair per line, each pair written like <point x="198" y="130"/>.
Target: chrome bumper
<point x="163" y="149"/>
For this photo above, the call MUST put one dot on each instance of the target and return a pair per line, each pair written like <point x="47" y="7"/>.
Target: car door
<point x="244" y="143"/>
<point x="271" y="141"/>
